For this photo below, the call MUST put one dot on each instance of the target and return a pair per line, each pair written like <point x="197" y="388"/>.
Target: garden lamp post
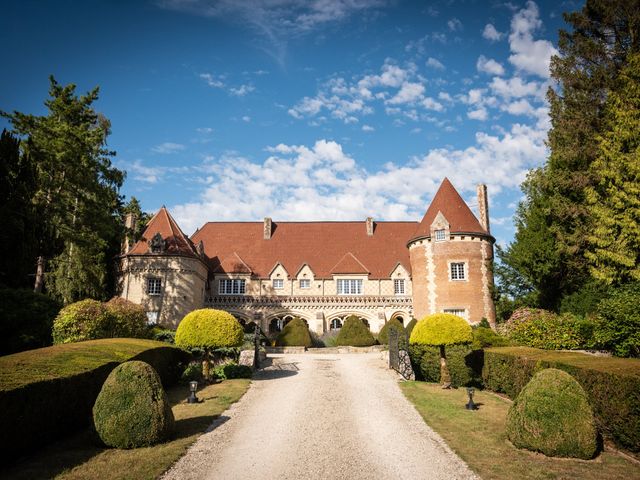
<point x="193" y="388"/>
<point x="471" y="405"/>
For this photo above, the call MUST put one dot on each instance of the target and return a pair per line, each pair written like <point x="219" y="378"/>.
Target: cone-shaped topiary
<point x="410" y="326"/>
<point x="552" y="415"/>
<point x="294" y="334"/>
<point x="354" y="333"/>
<point x="132" y="409"/>
<point x="441" y="330"/>
<point x="209" y="329"/>
<point x="383" y="336"/>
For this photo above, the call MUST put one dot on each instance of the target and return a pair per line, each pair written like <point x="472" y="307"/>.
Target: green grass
<point x="81" y="456"/>
<point x="68" y="359"/>
<point x="619" y="366"/>
<point x="479" y="438"/>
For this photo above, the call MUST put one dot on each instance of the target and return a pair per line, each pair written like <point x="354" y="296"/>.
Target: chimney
<point x="483" y="207"/>
<point x="266" y="227"/>
<point x="130" y="223"/>
<point x="370" y="226"/>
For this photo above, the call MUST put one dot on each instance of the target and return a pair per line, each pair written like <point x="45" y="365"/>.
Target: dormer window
<point x="157" y="244"/>
<point x="398" y="286"/>
<point x="440" y="235"/>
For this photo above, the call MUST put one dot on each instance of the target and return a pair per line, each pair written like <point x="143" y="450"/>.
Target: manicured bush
<point x="410" y="326"/>
<point x="132" y="409"/>
<point x="49" y="392"/>
<point x="294" y="334"/>
<point x="330" y="338"/>
<point x="354" y="333"/>
<point x="618" y="321"/>
<point x="543" y="329"/>
<point x="552" y="415"/>
<point x="209" y="329"/>
<point x="612" y="384"/>
<point x="463" y="362"/>
<point x="383" y="336"/>
<point x="161" y="334"/>
<point x="83" y="320"/>
<point x="231" y="370"/>
<point x="129" y="319"/>
<point x="442" y="330"/>
<point x="26" y="319"/>
<point x="486" y="337"/>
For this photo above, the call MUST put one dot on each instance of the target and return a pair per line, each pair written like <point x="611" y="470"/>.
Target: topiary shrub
<point x="128" y="319"/>
<point x="383" y="336"/>
<point x="486" y="337"/>
<point x="132" y="409"/>
<point x="83" y="320"/>
<point x="208" y="329"/>
<point x="442" y="330"/>
<point x="354" y="333"/>
<point x="232" y="370"/>
<point x="410" y="326"/>
<point x="618" y="321"/>
<point x="294" y="334"/>
<point x="552" y="415"/>
<point x="463" y="362"/>
<point x="26" y="319"/>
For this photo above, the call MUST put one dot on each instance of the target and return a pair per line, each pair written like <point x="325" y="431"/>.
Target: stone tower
<point x="164" y="272"/>
<point x="451" y="256"/>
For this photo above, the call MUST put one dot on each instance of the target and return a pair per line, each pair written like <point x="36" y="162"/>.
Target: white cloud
<point x="408" y="93"/>
<point x="520" y="107"/>
<point x="454" y="24"/>
<point x="204" y="130"/>
<point x="444" y="96"/>
<point x="489" y="65"/>
<point x="246" y="118"/>
<point x="168" y="147"/>
<point x="490" y="33"/>
<point x="213" y="80"/>
<point x="528" y="55"/>
<point x="242" y="90"/>
<point x="478" y="114"/>
<point x="431" y="104"/>
<point x="517" y="87"/>
<point x="434" y="63"/>
<point x="367" y="128"/>
<point x="322" y="182"/>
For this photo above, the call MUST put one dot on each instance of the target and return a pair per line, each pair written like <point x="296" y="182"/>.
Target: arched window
<point x="336" y="324"/>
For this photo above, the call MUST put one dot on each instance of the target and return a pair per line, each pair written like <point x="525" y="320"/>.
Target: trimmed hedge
<point x="129" y="319"/>
<point x="552" y="415"/>
<point x="232" y="370"/>
<point x="354" y="333"/>
<point x="49" y="392"/>
<point x="383" y="336"/>
<point x="132" y="409"/>
<point x="26" y="319"/>
<point x="612" y="384"/>
<point x="80" y="321"/>
<point x="294" y="334"/>
<point x="463" y="362"/>
<point x="208" y="328"/>
<point x="412" y="324"/>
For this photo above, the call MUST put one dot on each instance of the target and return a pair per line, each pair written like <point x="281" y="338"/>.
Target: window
<point x="349" y="287"/>
<point x="152" y="318"/>
<point x="457" y="271"/>
<point x="461" y="312"/>
<point x="305" y="283"/>
<point x="336" y="324"/>
<point x="154" y="286"/>
<point x="440" y="237"/>
<point x="278" y="283"/>
<point x="398" y="286"/>
<point x="231" y="286"/>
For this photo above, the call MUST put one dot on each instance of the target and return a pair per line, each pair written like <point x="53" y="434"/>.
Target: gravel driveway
<point x="319" y="416"/>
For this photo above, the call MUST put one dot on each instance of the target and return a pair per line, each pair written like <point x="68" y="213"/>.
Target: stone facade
<point x="269" y="272"/>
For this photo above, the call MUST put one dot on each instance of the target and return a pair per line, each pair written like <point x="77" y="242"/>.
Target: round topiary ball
<point x="129" y="319"/>
<point x="383" y="336"/>
<point x="83" y="320"/>
<point x="132" y="409"/>
<point x="552" y="415"/>
<point x="441" y="329"/>
<point x="354" y="333"/>
<point x="294" y="334"/>
<point x="209" y="329"/>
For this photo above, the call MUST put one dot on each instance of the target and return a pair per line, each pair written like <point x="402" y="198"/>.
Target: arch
<point x="403" y="317"/>
<point x="242" y="317"/>
<point x="277" y="321"/>
<point x="342" y="316"/>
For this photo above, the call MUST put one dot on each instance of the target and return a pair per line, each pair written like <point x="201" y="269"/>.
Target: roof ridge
<point x="349" y="253"/>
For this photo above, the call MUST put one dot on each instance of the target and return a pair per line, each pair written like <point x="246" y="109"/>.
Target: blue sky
<point x="299" y="110"/>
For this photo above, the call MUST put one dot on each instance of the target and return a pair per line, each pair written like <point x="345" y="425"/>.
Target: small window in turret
<point x="440" y="235"/>
<point x="154" y="286"/>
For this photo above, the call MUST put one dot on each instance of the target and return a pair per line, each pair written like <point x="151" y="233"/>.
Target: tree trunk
<point x="205" y="366"/>
<point x="445" y="377"/>
<point x="39" y="275"/>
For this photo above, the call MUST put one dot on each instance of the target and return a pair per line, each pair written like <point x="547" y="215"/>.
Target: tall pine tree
<point x="613" y="248"/>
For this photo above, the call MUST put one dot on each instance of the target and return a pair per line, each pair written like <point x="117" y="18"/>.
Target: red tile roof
<point x="448" y="201"/>
<point x="349" y="264"/>
<point x="321" y="245"/>
<point x="176" y="242"/>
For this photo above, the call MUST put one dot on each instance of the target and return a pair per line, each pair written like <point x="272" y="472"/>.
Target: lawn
<point x="81" y="456"/>
<point x="478" y="438"/>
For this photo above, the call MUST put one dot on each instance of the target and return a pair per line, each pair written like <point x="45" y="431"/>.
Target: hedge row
<point x="612" y="384"/>
<point x="464" y="364"/>
<point x="48" y="392"/>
